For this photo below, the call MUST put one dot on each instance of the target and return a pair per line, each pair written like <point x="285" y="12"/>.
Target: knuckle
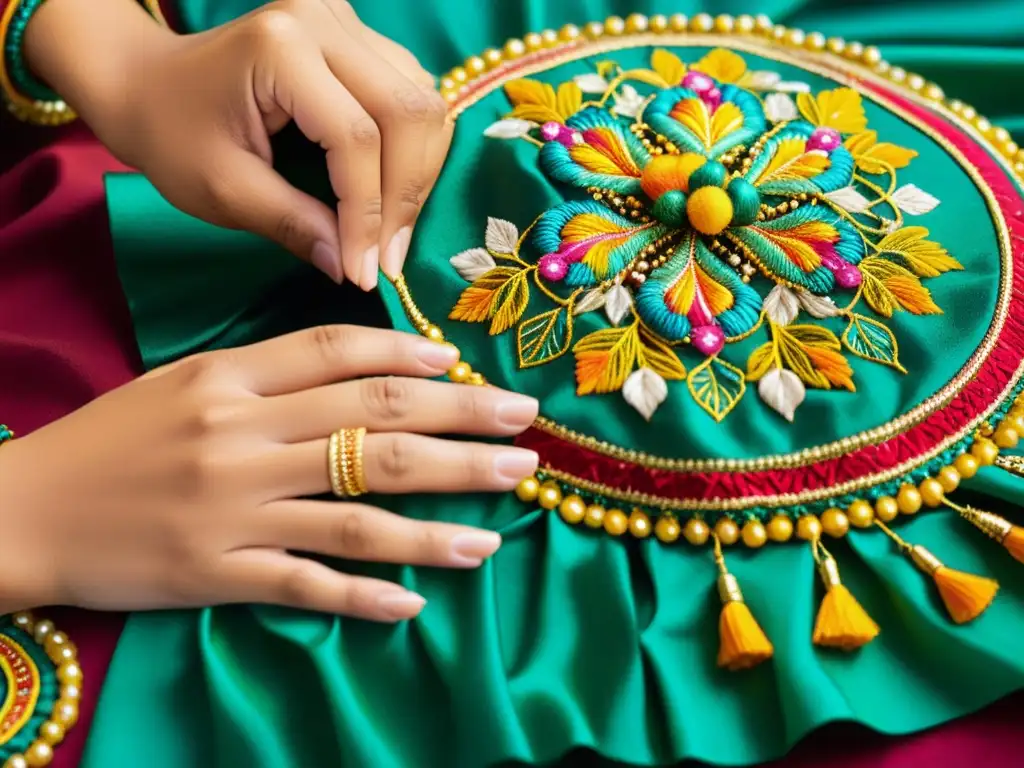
<point x="387" y="398"/>
<point x="202" y="471"/>
<point x="417" y="105"/>
<point x="477" y="468"/>
<point x="395" y="458"/>
<point x="300" y="585"/>
<point x="275" y="25"/>
<point x="373" y="207"/>
<point x="352" y="534"/>
<point x="411" y="192"/>
<point x="332" y="342"/>
<point x="201" y="371"/>
<point x="431" y="542"/>
<point x="290" y="229"/>
<point x="364" y="134"/>
<point x="471" y="406"/>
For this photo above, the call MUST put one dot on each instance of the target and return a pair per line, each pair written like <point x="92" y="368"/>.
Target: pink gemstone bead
<point x="847" y="275"/>
<point x="707" y="339"/>
<point x="564" y="135"/>
<point x="553" y="267"/>
<point x="824" y="140"/>
<point x="698" y="82"/>
<point x="550" y="131"/>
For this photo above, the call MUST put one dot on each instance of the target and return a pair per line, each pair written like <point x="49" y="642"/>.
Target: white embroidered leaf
<point x="502" y="236"/>
<point x="629" y="102"/>
<point x="849" y="199"/>
<point x="914" y="200"/>
<point x="591" y="300"/>
<point x="617" y="302"/>
<point x="779" y="107"/>
<point x="817" y="306"/>
<point x="474" y="263"/>
<point x="782" y="390"/>
<point x="793" y="87"/>
<point x="510" y="128"/>
<point x="762" y="80"/>
<point x="645" y="390"/>
<point x="591" y="83"/>
<point x="781" y="305"/>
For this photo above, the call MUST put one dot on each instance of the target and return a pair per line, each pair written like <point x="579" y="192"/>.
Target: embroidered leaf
<point x="570" y="99"/>
<point x="617" y="301"/>
<point x="526" y="91"/>
<point x="629" y="103"/>
<point x="604" y="359"/>
<point x="914" y="200"/>
<point x="888" y="286"/>
<point x="509" y="128"/>
<point x="544" y="337"/>
<point x="812" y="353"/>
<point x="645" y="390"/>
<point x="817" y="306"/>
<point x="717" y="386"/>
<point x="537" y="113"/>
<point x="476" y="304"/>
<point x="790" y="160"/>
<point x="591" y="83"/>
<point x="922" y="257"/>
<point x="876" y="295"/>
<point x="873" y="341"/>
<point x="783" y="391"/>
<point x="655" y="354"/>
<point x="874" y="157"/>
<point x="793" y="87"/>
<point x="840" y="109"/>
<point x="849" y="199"/>
<point x="510" y="302"/>
<point x="778" y="107"/>
<point x="472" y="264"/>
<point x="761" y="80"/>
<point x="502" y="236"/>
<point x="761" y="361"/>
<point x="781" y="305"/>
<point x="668" y="66"/>
<point x="591" y="300"/>
<point x="646" y="76"/>
<point x="723" y="65"/>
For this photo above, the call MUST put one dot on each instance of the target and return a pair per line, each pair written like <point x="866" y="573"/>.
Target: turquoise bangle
<point x="21" y="78"/>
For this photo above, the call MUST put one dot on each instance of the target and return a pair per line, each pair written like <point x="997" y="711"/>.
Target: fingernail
<point x="514" y="465"/>
<point x="517" y="412"/>
<point x="327" y="260"/>
<point x="394" y="256"/>
<point x="471" y="548"/>
<point x="401" y="605"/>
<point x="440" y="357"/>
<point x="368" y="278"/>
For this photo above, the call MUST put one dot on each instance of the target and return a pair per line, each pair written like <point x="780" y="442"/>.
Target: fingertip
<point x="398" y="606"/>
<point x="396" y="251"/>
<point x="327" y="259"/>
<point x="369" y="268"/>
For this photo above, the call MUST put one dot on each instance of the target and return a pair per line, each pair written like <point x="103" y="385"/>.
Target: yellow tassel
<point x="965" y="595"/>
<point x="743" y="643"/>
<point x="995" y="527"/>
<point x="842" y="622"/>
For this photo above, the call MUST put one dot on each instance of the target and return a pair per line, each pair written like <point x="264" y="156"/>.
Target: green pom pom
<point x="711" y="174"/>
<point x="746" y="201"/>
<point x="671" y="208"/>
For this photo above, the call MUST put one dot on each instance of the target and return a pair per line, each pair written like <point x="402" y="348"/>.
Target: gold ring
<point x="345" y="462"/>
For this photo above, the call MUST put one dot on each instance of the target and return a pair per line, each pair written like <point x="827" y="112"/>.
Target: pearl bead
<point x="70" y="672"/>
<point x="40" y="754"/>
<point x="528" y="489"/>
<point x="16" y="761"/>
<point x="727" y="531"/>
<point x="754" y="534"/>
<point x="514" y="49"/>
<point x="636" y="22"/>
<point x="702" y="22"/>
<point x="533" y="42"/>
<point x="658" y="22"/>
<point x="475" y="66"/>
<point x="909" y="499"/>
<point x="861" y="514"/>
<point x="886" y="508"/>
<point x="593" y="30"/>
<point x="931" y="492"/>
<point x="616" y="522"/>
<point x="915" y="82"/>
<point x="724" y="23"/>
<point x="640" y="524"/>
<point x="43" y="630"/>
<point x="808" y="527"/>
<point x="949" y="479"/>
<point x="572" y="509"/>
<point x="966" y="465"/>
<point x="594" y="516"/>
<point x="835" y="523"/>
<point x="696" y="531"/>
<point x="460" y="372"/>
<point x="51" y="732"/>
<point x="568" y="33"/>
<point x="678" y="22"/>
<point x="549" y="496"/>
<point x="985" y="451"/>
<point x="614" y="25"/>
<point x="549" y="38"/>
<point x="815" y="41"/>
<point x="780" y="528"/>
<point x="667" y="529"/>
<point x="745" y="23"/>
<point x="1006" y="437"/>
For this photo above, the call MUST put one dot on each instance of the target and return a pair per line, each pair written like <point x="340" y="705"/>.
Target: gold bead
<point x="549" y="38"/>
<point x="572" y="509"/>
<point x="932" y="92"/>
<point x="533" y="42"/>
<point x="451" y="97"/>
<point x="724" y="23"/>
<point x="763" y="23"/>
<point x="931" y="492"/>
<point x="886" y="508"/>
<point x="614" y="25"/>
<point x="593" y="30"/>
<point x="678" y="22"/>
<point x="667" y="529"/>
<point x="65" y="713"/>
<point x="549" y="496"/>
<point x="915" y="82"/>
<point x="23" y="620"/>
<point x="1018" y="168"/>
<point x="527" y="489"/>
<point x="968" y="112"/>
<point x="983" y="125"/>
<point x="51" y="732"/>
<point x="780" y="528"/>
<point x="434" y="333"/>
<point x="16" y="761"/>
<point x="70" y="672"/>
<point x="593" y="516"/>
<point x="985" y="451"/>
<point x="43" y="630"/>
<point x="492" y="58"/>
<point x="745" y="23"/>
<point x="754" y="534"/>
<point x="460" y="372"/>
<point x="696" y="531"/>
<point x="1010" y="148"/>
<point x="835" y="44"/>
<point x="1015" y="421"/>
<point x="815" y="41"/>
<point x="475" y="66"/>
<point x="835" y="523"/>
<point x="476" y="380"/>
<point x="909" y="499"/>
<point x="636" y="22"/>
<point x="897" y="74"/>
<point x="514" y="49"/>
<point x="861" y="514"/>
<point x="70" y="692"/>
<point x="615" y="522"/>
<point x="808" y="527"/>
<point x="871" y="55"/>
<point x="658" y="22"/>
<point x="949" y="479"/>
<point x="1006" y="437"/>
<point x="447" y="84"/>
<point x="795" y="37"/>
<point x="702" y="22"/>
<point x="38" y="755"/>
<point x="640" y="524"/>
<point x="966" y="465"/>
<point x="568" y="33"/>
<point x="956" y="106"/>
<point x="853" y="50"/>
<point x="727" y="531"/>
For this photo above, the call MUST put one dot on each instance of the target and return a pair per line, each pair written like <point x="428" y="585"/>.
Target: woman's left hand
<point x="195" y="113"/>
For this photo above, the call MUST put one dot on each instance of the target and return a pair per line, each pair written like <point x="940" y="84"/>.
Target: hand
<point x="195" y="114"/>
<point x="186" y="487"/>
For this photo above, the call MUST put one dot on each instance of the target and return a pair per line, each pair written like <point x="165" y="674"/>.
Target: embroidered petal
<point x="696" y="289"/>
<point x="786" y="167"/>
<point x="840" y="108"/>
<point x="723" y="65"/>
<point x="696" y="125"/>
<point x="596" y="243"/>
<point x="608" y="156"/>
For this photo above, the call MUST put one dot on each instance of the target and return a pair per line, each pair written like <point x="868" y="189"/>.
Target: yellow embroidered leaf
<point x="791" y="162"/>
<point x="652" y="352"/>
<point x="544" y="337"/>
<point x="761" y="361"/>
<point x="570" y="99"/>
<point x="536" y="113"/>
<point x="648" y="77"/>
<point x="873" y="157"/>
<point x="877" y="295"/>
<point x="475" y="305"/>
<point x="693" y="113"/>
<point x="813" y="336"/>
<point x="509" y="303"/>
<point x="888" y="286"/>
<point x="668" y="66"/>
<point x="840" y="108"/>
<point x="723" y="65"/>
<point x="717" y="386"/>
<point x="604" y="359"/>
<point x="911" y="295"/>
<point x="922" y="257"/>
<point x="526" y="91"/>
<point x="873" y="341"/>
<point x="811" y="352"/>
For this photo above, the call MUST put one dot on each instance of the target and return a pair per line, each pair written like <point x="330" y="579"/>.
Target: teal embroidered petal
<point x="693" y="289"/>
<point x="609" y="156"/>
<point x="792" y="170"/>
<point x="596" y="243"/>
<point x="681" y="116"/>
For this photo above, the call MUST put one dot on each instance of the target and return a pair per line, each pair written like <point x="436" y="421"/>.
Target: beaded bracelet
<point x="5" y="434"/>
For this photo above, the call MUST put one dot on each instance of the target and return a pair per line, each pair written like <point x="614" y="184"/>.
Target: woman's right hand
<point x="186" y="487"/>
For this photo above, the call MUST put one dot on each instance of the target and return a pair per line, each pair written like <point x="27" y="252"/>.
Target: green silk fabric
<point x="568" y="638"/>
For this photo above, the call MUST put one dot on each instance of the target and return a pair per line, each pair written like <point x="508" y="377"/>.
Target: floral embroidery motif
<point x="716" y="206"/>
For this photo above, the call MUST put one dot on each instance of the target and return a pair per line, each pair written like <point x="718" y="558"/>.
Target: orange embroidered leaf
<point x="717" y="386"/>
<point x="655" y="354"/>
<point x="569" y="99"/>
<point x="792" y="161"/>
<point x="723" y="65"/>
<point x="876" y="295"/>
<point x="832" y="365"/>
<point x="871" y="340"/>
<point x="911" y="295"/>
<point x="873" y="157"/>
<point x="668" y="66"/>
<point x="922" y="257"/>
<point x="476" y="304"/>
<point x="544" y="337"/>
<point x="812" y="353"/>
<point x="526" y="91"/>
<point x="761" y="361"/>
<point x="604" y="359"/>
<point x="509" y="303"/>
<point x="603" y="151"/>
<point x="537" y="113"/>
<point x="708" y="128"/>
<point x="840" y="108"/>
<point x="797" y="242"/>
<point x="889" y="286"/>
